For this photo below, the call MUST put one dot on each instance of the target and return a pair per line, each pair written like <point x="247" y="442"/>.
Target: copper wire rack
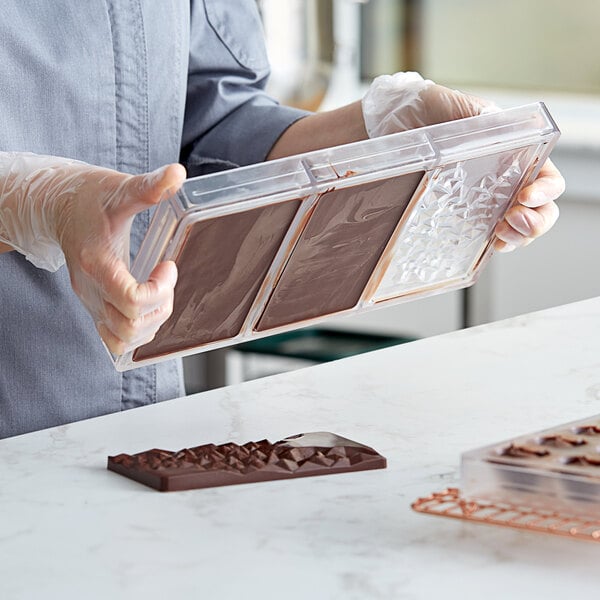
<point x="449" y="503"/>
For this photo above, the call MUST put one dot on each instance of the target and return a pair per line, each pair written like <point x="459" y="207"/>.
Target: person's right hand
<point x="55" y="210"/>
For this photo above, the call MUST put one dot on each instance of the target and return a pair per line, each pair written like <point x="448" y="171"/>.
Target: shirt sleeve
<point x="229" y="119"/>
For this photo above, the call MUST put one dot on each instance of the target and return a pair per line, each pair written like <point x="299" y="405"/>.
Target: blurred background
<point x="324" y="53"/>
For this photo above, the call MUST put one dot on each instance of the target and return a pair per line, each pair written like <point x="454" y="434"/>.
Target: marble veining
<point x="70" y="529"/>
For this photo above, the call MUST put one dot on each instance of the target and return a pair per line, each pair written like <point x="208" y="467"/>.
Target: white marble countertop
<point x="71" y="529"/>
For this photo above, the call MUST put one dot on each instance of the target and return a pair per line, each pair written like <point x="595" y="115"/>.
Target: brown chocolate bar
<point x="302" y="455"/>
<point x="338" y="250"/>
<point x="221" y="267"/>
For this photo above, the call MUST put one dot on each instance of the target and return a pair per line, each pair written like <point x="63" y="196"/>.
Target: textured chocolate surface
<point x="338" y="250"/>
<point x="221" y="265"/>
<point x="209" y="465"/>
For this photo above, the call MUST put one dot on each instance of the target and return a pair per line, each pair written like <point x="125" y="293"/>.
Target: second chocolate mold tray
<point x="271" y="247"/>
<point x="555" y="469"/>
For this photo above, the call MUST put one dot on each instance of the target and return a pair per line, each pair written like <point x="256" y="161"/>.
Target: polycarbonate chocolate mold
<point x="272" y="247"/>
<point x="302" y="455"/>
<point x="544" y="482"/>
<point x="557" y="468"/>
<point x="458" y="210"/>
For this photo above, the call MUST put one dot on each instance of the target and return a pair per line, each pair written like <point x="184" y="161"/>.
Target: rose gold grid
<point x="449" y="503"/>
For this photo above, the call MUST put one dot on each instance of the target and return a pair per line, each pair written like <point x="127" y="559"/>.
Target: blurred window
<point x="526" y="44"/>
<point x="550" y="45"/>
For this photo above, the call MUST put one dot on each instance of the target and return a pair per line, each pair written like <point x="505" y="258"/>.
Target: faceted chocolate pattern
<point x="210" y="465"/>
<point x="456" y="216"/>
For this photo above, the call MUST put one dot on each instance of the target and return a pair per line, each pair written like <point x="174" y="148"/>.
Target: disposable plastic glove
<point x="54" y="210"/>
<point x="534" y="213"/>
<point x="406" y="101"/>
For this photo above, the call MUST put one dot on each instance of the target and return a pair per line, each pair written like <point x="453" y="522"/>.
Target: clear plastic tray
<point x="556" y="469"/>
<point x="271" y="247"/>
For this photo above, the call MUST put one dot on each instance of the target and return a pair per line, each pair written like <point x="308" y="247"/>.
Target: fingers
<point x="132" y="312"/>
<point x="442" y="104"/>
<point x="548" y="186"/>
<point x="535" y="212"/>
<point x="143" y="191"/>
<point x="121" y="334"/>
<point x="521" y="225"/>
<point x="471" y="106"/>
<point x="501" y="246"/>
<point x="116" y="345"/>
<point x="94" y="237"/>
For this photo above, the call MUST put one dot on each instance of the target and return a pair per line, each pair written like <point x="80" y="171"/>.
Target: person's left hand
<point x="534" y="213"/>
<point x="406" y="101"/>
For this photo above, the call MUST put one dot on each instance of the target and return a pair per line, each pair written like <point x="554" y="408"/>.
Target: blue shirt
<point x="129" y="85"/>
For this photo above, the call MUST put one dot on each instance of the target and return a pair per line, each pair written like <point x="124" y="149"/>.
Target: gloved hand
<point x="406" y="101"/>
<point x="54" y="210"/>
<point x="534" y="213"/>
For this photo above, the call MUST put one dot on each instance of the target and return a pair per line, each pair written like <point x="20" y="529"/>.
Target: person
<point x="106" y="107"/>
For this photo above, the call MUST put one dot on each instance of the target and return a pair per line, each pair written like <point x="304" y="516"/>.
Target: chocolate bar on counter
<point x="211" y="465"/>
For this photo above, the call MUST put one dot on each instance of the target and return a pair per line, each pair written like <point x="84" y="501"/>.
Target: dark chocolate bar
<point x="205" y="466"/>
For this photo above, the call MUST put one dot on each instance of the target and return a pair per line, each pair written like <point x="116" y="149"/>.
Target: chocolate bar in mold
<point x="222" y="263"/>
<point x="340" y="246"/>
